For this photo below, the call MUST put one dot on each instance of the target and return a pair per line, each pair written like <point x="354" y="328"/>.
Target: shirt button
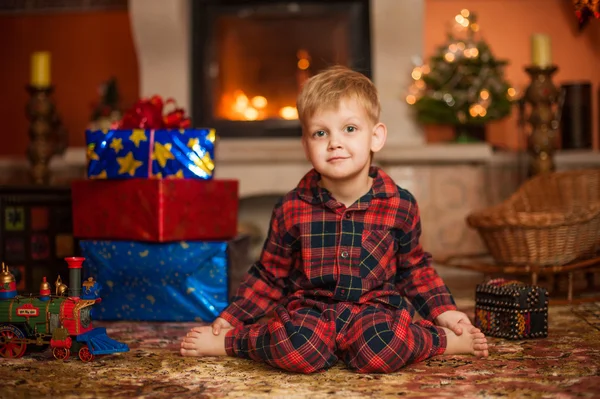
<point x="344" y="254"/>
<point x="343" y="291"/>
<point x="348" y="215"/>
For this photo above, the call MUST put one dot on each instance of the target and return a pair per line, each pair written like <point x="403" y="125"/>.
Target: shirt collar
<point x="309" y="190"/>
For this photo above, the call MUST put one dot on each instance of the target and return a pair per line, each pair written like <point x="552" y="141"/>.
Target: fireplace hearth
<point x="250" y="58"/>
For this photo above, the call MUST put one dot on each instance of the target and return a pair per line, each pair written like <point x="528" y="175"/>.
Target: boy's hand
<point x="453" y="320"/>
<point x="218" y="324"/>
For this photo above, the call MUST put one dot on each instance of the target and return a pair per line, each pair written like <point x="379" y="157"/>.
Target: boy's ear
<point x="379" y="137"/>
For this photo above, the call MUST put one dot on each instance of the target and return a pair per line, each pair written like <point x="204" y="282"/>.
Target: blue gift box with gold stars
<point x="178" y="281"/>
<point x="150" y="153"/>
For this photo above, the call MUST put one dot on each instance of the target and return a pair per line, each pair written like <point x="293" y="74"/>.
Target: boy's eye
<point x="350" y="129"/>
<point x="319" y="133"/>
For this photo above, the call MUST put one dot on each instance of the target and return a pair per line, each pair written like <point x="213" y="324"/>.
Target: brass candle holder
<point x="46" y="133"/>
<point x="542" y="96"/>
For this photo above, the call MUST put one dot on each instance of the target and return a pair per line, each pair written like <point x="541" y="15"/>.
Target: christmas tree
<point x="463" y="84"/>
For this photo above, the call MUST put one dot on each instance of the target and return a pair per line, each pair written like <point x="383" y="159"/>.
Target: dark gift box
<point x="511" y="309"/>
<point x="155" y="210"/>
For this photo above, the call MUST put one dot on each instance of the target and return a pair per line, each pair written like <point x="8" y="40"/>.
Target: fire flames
<point x="239" y="106"/>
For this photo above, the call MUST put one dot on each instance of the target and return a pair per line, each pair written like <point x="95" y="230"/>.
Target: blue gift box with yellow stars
<point x="178" y="281"/>
<point x="150" y="153"/>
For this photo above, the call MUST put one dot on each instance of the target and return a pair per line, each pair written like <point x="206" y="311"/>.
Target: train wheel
<point x="61" y="353"/>
<point x="85" y="355"/>
<point x="12" y="342"/>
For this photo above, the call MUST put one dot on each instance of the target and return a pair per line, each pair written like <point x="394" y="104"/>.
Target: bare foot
<point x="201" y="341"/>
<point x="471" y="341"/>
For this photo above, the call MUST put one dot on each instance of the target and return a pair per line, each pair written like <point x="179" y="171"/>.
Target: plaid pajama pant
<point x="308" y="336"/>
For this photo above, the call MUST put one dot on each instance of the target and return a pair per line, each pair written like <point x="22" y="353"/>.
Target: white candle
<point x="541" y="50"/>
<point x="40" y="69"/>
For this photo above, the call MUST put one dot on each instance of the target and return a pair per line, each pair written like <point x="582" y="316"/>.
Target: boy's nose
<point x="334" y="145"/>
<point x="334" y="142"/>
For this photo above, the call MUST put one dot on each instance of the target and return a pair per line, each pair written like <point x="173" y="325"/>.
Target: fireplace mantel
<point x="277" y="151"/>
<point x="274" y="166"/>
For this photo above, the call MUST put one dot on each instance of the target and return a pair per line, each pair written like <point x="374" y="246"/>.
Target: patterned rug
<point x="590" y="312"/>
<point x="564" y="365"/>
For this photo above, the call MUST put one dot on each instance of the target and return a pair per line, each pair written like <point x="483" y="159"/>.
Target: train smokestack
<point x="74" y="275"/>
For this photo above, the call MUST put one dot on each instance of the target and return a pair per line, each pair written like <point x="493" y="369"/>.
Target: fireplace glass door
<point x="252" y="58"/>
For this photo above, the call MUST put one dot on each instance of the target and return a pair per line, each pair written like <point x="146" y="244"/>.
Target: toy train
<point x="62" y="321"/>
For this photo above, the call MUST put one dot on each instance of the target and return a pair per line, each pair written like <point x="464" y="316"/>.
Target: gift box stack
<point x="154" y="225"/>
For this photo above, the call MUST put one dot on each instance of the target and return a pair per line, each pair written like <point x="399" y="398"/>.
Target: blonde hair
<point x="327" y="88"/>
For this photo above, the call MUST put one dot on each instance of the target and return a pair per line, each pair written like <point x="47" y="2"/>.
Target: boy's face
<point x="338" y="142"/>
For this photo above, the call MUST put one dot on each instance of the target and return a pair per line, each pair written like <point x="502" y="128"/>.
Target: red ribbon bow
<point x="149" y="114"/>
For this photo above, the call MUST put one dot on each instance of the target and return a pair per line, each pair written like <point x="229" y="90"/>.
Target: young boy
<point x="342" y="266"/>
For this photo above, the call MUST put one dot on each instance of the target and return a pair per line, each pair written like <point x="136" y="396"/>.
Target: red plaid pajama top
<point x="338" y="280"/>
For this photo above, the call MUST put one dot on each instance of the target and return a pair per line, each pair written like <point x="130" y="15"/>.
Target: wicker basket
<point x="551" y="219"/>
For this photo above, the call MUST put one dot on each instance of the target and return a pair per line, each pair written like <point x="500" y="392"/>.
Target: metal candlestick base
<point x="46" y="133"/>
<point x="542" y="95"/>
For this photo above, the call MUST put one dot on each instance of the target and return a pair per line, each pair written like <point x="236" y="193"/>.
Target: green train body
<point x="41" y="322"/>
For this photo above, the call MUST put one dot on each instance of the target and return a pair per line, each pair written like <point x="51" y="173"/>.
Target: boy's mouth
<point x="336" y="159"/>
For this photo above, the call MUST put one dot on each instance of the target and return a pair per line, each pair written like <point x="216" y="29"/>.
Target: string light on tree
<point x="463" y="83"/>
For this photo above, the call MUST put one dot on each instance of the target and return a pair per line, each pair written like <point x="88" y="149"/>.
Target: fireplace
<point x="249" y="59"/>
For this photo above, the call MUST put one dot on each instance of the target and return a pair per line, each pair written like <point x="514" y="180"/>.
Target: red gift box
<point x="155" y="210"/>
